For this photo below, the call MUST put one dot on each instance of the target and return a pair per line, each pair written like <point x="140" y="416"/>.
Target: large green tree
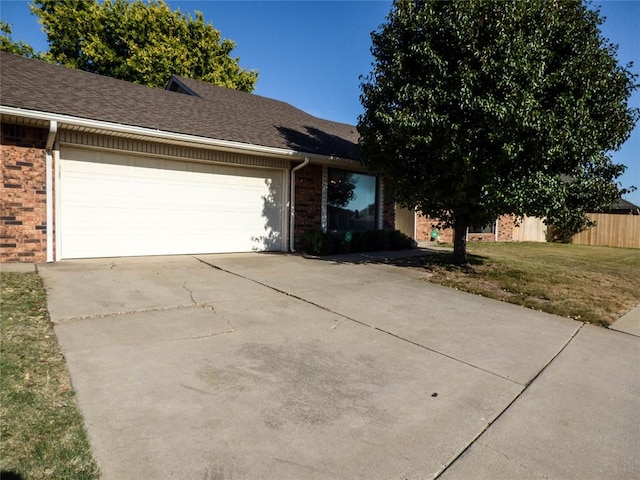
<point x="475" y="109"/>
<point x="141" y="42"/>
<point x="7" y="44"/>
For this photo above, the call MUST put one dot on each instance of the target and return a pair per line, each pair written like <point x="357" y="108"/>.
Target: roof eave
<point x="150" y="134"/>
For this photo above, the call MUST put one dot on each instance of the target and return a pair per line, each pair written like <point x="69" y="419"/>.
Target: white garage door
<point x="124" y="205"/>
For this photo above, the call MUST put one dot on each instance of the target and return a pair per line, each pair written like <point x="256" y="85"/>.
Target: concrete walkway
<point x="276" y="366"/>
<point x="629" y="323"/>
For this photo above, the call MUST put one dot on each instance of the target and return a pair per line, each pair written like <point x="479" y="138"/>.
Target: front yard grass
<point x="42" y="435"/>
<point x="591" y="284"/>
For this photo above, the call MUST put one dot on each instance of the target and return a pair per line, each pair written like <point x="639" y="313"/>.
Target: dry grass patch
<point x="591" y="284"/>
<point x="42" y="432"/>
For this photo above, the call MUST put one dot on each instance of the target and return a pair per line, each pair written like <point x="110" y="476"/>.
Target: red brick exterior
<point x="389" y="216"/>
<point x="424" y="226"/>
<point x="308" y="201"/>
<point x="23" y="198"/>
<point x="506" y="225"/>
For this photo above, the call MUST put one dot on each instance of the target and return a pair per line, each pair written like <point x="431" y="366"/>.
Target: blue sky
<point x="311" y="53"/>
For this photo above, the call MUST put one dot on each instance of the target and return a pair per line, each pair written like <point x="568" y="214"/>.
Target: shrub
<point x="317" y="242"/>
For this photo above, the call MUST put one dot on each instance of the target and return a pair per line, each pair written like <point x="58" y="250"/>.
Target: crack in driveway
<point x="347" y="318"/>
<point x="301" y="385"/>
<point x="184" y="286"/>
<point x="119" y="314"/>
<point x="212" y="308"/>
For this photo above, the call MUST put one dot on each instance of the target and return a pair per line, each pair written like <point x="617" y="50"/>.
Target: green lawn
<point x="42" y="434"/>
<point x="591" y="284"/>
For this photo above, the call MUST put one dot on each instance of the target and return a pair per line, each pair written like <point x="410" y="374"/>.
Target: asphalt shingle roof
<point x="216" y="112"/>
<point x="624" y="206"/>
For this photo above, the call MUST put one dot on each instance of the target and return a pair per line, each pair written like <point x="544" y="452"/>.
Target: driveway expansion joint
<point x="449" y="357"/>
<point x="501" y="413"/>
<point x="345" y="318"/>
<point x="288" y="294"/>
<point x="350" y="403"/>
<point x="631" y="334"/>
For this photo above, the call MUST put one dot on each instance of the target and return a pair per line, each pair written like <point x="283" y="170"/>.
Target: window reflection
<point x="491" y="228"/>
<point x="351" y="201"/>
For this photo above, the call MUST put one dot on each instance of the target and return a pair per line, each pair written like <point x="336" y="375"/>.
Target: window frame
<point x="326" y="205"/>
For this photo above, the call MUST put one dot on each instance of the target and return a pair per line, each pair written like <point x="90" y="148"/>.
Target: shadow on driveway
<point x="277" y="366"/>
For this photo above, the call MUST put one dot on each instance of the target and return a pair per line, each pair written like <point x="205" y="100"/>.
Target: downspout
<point x="292" y="197"/>
<point x="51" y="139"/>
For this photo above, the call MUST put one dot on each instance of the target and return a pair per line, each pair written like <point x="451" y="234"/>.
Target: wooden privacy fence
<point x="611" y="231"/>
<point x="530" y="229"/>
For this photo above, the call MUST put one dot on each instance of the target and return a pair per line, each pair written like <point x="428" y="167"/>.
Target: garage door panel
<point x="119" y="205"/>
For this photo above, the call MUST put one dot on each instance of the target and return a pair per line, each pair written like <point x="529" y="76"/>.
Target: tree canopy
<point x="475" y="109"/>
<point x="139" y="42"/>
<point x="7" y="44"/>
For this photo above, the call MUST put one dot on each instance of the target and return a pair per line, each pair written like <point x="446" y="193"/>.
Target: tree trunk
<point x="460" y="243"/>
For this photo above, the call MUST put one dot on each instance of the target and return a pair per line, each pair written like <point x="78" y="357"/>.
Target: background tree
<point x="139" y="42"/>
<point x="7" y="44"/>
<point x="476" y="109"/>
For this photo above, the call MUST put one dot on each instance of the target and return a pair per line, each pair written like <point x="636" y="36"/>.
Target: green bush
<point x="317" y="242"/>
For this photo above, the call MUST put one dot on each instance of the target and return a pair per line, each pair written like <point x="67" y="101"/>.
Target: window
<point x="491" y="228"/>
<point x="351" y="201"/>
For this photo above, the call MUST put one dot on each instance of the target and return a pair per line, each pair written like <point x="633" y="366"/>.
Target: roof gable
<point x="206" y="110"/>
<point x="624" y="206"/>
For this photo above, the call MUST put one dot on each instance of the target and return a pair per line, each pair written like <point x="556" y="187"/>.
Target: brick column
<point x="23" y="195"/>
<point x="308" y="201"/>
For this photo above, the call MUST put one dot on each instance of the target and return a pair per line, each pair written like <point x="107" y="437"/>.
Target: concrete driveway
<point x="273" y="366"/>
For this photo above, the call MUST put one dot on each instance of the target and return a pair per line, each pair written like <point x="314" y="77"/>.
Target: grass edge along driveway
<point x="591" y="284"/>
<point x="42" y="433"/>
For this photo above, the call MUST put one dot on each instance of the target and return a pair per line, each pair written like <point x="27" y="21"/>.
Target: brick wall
<point x="424" y="225"/>
<point x="389" y="216"/>
<point x="308" y="201"/>
<point x="506" y="223"/>
<point x="23" y="208"/>
<point x="505" y="232"/>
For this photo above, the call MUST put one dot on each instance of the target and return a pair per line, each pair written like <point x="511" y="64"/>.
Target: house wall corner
<point x="308" y="206"/>
<point x="23" y="197"/>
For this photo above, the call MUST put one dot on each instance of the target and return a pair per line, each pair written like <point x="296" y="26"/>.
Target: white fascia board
<point x="194" y="140"/>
